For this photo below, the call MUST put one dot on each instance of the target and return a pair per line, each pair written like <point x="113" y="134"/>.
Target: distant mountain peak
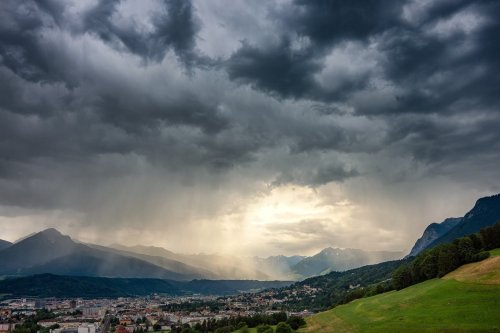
<point x="51" y="232"/>
<point x="433" y="232"/>
<point x="338" y="250"/>
<point x="331" y="249"/>
<point x="340" y="259"/>
<point x="35" y="249"/>
<point x="53" y="235"/>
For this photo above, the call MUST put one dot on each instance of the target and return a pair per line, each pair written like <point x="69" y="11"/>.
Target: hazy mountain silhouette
<point x="51" y="252"/>
<point x="221" y="265"/>
<point x="158" y="260"/>
<point x="37" y="249"/>
<point x="278" y="266"/>
<point x="335" y="259"/>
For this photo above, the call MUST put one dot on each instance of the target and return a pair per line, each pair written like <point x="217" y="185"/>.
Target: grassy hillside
<point x="483" y="272"/>
<point x="439" y="305"/>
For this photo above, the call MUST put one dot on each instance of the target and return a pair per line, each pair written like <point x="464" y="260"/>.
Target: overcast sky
<point x="247" y="127"/>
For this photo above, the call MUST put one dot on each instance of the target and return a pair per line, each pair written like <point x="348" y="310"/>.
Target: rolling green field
<point x="438" y="305"/>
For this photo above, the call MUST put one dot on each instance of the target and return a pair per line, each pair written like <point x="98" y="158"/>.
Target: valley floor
<point x="471" y="304"/>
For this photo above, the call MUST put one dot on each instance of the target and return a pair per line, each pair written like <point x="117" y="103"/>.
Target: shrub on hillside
<point x="296" y="322"/>
<point x="283" y="328"/>
<point x="264" y="329"/>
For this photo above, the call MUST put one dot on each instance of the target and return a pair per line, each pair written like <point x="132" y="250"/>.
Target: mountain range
<point x="335" y="259"/>
<point x="51" y="252"/>
<point x="485" y="212"/>
<point x="218" y="265"/>
<point x="277" y="267"/>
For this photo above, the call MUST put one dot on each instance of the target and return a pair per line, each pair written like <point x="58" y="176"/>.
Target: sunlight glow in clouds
<point x="252" y="127"/>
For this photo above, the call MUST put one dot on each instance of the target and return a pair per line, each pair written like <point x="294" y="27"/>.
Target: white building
<point x="90" y="328"/>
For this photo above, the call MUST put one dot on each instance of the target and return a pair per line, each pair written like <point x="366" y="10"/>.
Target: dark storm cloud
<point x="20" y="48"/>
<point x="443" y="141"/>
<point x="328" y="21"/>
<point x="431" y="81"/>
<point x="137" y="114"/>
<point x="23" y="25"/>
<point x="430" y="72"/>
<point x="175" y="26"/>
<point x="277" y="69"/>
<point x="433" y="75"/>
<point x="282" y="70"/>
<point x="107" y="82"/>
<point x="85" y="116"/>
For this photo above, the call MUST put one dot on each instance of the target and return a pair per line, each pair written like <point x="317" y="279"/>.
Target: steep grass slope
<point x="484" y="272"/>
<point x="439" y="305"/>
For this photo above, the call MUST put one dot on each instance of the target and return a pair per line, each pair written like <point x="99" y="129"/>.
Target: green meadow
<point x="438" y="305"/>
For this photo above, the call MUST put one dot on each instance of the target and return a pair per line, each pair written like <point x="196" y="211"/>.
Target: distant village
<point x="141" y="314"/>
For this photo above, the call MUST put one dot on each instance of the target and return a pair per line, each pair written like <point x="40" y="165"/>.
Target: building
<point x="6" y="327"/>
<point x="89" y="328"/>
<point x="93" y="312"/>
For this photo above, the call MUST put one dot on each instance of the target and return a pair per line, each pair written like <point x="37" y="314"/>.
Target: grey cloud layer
<point x="98" y="93"/>
<point x="420" y="59"/>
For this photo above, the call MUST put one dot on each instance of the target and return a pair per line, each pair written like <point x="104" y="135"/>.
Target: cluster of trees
<point x="113" y="322"/>
<point x="368" y="291"/>
<point x="262" y="322"/>
<point x="444" y="258"/>
<point x="30" y="324"/>
<point x="282" y="327"/>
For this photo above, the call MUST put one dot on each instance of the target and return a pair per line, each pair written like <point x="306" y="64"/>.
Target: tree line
<point x="444" y="258"/>
<point x="262" y="322"/>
